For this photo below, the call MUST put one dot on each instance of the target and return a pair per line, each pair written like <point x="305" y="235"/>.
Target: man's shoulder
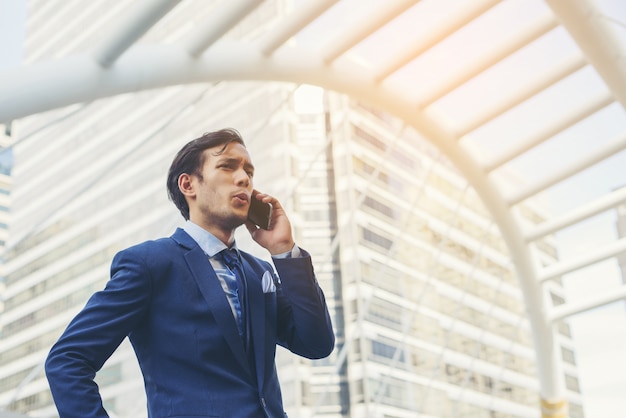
<point x="167" y="244"/>
<point x="156" y="255"/>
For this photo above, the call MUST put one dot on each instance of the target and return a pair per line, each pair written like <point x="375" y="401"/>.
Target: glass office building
<point x="6" y="164"/>
<point x="621" y="232"/>
<point x="428" y="314"/>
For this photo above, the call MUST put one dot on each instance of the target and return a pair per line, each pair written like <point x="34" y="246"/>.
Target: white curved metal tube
<point x="599" y="41"/>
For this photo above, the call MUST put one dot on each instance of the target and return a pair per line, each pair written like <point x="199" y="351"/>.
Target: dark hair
<point x="190" y="160"/>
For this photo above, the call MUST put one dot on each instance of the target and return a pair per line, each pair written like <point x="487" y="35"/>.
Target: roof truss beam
<point x="308" y="12"/>
<point x="602" y="204"/>
<point x="524" y="93"/>
<point x="364" y="27"/>
<point x="459" y="19"/>
<point x="597" y="39"/>
<point x="593" y="157"/>
<point x="593" y="257"/>
<point x="142" y="16"/>
<point x="496" y="54"/>
<point x="553" y="128"/>
<point x="564" y="311"/>
<point x="221" y="20"/>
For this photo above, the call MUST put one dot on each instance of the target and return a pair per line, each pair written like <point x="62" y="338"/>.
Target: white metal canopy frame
<point x="121" y="64"/>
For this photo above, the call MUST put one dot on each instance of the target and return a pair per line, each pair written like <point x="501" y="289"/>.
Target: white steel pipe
<point x="585" y="110"/>
<point x="593" y="257"/>
<point x="525" y="92"/>
<point x="141" y="17"/>
<point x="305" y="14"/>
<point x="496" y="53"/>
<point x="563" y="311"/>
<point x="459" y="18"/>
<point x="574" y="216"/>
<point x="598" y="40"/>
<point x="220" y="21"/>
<point x="591" y="158"/>
<point x="363" y="27"/>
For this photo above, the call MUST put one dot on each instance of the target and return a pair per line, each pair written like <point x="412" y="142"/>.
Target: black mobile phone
<point x="260" y="213"/>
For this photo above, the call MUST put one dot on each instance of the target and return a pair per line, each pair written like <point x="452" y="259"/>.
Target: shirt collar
<point x="208" y="242"/>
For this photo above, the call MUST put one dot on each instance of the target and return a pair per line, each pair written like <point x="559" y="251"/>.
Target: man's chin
<point x="238" y="220"/>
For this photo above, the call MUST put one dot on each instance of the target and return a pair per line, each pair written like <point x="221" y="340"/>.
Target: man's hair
<point x="190" y="160"/>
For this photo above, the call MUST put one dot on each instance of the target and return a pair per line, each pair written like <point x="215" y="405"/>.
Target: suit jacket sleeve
<point x="93" y="335"/>
<point x="304" y="325"/>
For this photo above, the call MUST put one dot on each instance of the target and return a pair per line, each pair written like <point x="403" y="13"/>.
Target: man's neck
<point x="226" y="236"/>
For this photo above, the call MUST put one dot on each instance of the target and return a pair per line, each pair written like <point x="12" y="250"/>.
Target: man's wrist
<point x="294" y="252"/>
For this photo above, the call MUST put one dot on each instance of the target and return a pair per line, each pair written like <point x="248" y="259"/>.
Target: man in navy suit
<point x="204" y="325"/>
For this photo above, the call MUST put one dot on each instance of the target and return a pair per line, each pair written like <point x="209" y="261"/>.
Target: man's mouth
<point x="241" y="198"/>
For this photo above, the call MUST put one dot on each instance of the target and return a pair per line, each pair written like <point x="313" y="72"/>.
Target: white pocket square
<point x="268" y="283"/>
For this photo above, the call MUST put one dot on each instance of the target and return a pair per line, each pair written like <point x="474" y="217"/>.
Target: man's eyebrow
<point x="229" y="160"/>
<point x="236" y="160"/>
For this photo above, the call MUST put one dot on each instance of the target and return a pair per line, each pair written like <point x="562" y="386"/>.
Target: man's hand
<point x="278" y="239"/>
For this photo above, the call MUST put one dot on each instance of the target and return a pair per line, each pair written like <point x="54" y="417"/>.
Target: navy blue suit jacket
<point x="165" y="296"/>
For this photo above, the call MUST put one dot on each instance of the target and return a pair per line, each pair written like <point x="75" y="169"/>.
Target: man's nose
<point x="242" y="178"/>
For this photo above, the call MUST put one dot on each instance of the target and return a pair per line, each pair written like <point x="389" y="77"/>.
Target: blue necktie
<point x="236" y="288"/>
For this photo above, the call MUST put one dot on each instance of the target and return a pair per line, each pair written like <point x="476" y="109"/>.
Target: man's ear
<point x="185" y="185"/>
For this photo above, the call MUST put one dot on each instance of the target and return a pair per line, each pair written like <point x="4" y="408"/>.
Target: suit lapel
<point x="212" y="291"/>
<point x="256" y="320"/>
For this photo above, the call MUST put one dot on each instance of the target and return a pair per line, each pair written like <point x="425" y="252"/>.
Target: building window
<point x="388" y="351"/>
<point x="378" y="206"/>
<point x="369" y="138"/>
<point x="377" y="239"/>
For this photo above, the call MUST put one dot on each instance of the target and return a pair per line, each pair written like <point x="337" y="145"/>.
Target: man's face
<point x="223" y="194"/>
